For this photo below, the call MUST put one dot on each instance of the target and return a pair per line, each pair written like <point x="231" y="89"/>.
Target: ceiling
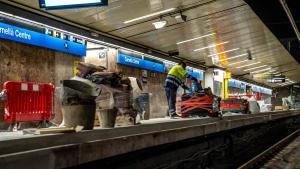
<point x="231" y="21"/>
<point x="278" y="21"/>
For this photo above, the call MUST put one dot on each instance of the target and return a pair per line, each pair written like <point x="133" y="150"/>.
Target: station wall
<point x="20" y="62"/>
<point x="154" y="85"/>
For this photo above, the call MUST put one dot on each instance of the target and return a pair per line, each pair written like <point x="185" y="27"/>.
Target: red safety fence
<point x="28" y="101"/>
<point x="241" y="96"/>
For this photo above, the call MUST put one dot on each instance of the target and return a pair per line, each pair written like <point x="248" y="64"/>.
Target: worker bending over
<point x="175" y="78"/>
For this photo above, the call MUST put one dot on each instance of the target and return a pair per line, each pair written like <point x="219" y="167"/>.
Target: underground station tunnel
<point x="149" y="84"/>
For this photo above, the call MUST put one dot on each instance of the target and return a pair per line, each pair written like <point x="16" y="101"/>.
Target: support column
<point x="214" y="79"/>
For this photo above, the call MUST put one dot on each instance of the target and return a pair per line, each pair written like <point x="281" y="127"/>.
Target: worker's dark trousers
<point x="171" y="97"/>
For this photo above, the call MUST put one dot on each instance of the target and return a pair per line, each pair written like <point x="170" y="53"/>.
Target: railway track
<point x="261" y="159"/>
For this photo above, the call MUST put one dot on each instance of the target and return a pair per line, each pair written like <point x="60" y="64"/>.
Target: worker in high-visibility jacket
<point x="175" y="78"/>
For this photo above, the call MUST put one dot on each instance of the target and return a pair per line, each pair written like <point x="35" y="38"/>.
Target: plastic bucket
<point x="79" y="115"/>
<point x="145" y="101"/>
<point x="107" y="117"/>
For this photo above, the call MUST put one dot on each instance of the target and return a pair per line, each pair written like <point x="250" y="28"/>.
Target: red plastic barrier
<point x="28" y="101"/>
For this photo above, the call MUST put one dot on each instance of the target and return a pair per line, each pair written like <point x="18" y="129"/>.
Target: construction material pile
<point x="115" y="89"/>
<point x="110" y="92"/>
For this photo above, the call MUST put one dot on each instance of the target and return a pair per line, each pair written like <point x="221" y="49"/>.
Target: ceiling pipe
<point x="290" y="17"/>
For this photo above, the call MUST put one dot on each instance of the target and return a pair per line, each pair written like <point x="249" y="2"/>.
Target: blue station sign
<point x="236" y="84"/>
<point x="42" y="40"/>
<point x="139" y="63"/>
<point x="197" y="75"/>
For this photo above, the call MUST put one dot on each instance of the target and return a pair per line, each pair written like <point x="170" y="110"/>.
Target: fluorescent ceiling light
<point x="262" y="70"/>
<point x="194" y="38"/>
<point x="248" y="65"/>
<point x="290" y="81"/>
<point x="160" y="24"/>
<point x="223" y="52"/>
<point x="233" y="57"/>
<point x="238" y="62"/>
<point x="211" y="46"/>
<point x="150" y="15"/>
<point x="255" y="68"/>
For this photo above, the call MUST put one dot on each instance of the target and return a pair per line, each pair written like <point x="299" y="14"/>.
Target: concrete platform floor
<point x="4" y="135"/>
<point x="65" y="150"/>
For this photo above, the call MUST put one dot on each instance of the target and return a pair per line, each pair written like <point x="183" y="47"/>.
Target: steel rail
<point x="263" y="157"/>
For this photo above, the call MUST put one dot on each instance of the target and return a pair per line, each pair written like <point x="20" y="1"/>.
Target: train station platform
<point x="67" y="150"/>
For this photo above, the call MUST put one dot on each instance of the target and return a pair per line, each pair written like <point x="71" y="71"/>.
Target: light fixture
<point x="233" y="57"/>
<point x="275" y="73"/>
<point x="238" y="62"/>
<point x="210" y="46"/>
<point x="290" y="81"/>
<point x="248" y="65"/>
<point x="255" y="68"/>
<point x="160" y="24"/>
<point x="262" y="70"/>
<point x="195" y="38"/>
<point x="150" y="15"/>
<point x="231" y="50"/>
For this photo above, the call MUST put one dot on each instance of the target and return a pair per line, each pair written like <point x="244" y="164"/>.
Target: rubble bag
<point x="83" y="69"/>
<point x="106" y="78"/>
<point x="105" y="100"/>
<point x="122" y="99"/>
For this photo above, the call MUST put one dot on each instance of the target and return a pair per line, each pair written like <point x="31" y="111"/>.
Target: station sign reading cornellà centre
<point x="42" y="40"/>
<point x="15" y="33"/>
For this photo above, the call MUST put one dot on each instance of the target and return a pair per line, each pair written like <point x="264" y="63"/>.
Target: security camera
<point x="181" y="18"/>
<point x="249" y="55"/>
<point x="173" y="53"/>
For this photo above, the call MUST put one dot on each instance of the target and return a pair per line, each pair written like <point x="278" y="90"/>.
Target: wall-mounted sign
<point x="42" y="40"/>
<point x="277" y="79"/>
<point x="195" y="74"/>
<point x="64" y="36"/>
<point x="259" y="89"/>
<point x="75" y="64"/>
<point x="103" y="53"/>
<point x="236" y="84"/>
<point x="144" y="76"/>
<point x="140" y="63"/>
<point x="63" y="4"/>
<point x="219" y="75"/>
<point x="249" y="87"/>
